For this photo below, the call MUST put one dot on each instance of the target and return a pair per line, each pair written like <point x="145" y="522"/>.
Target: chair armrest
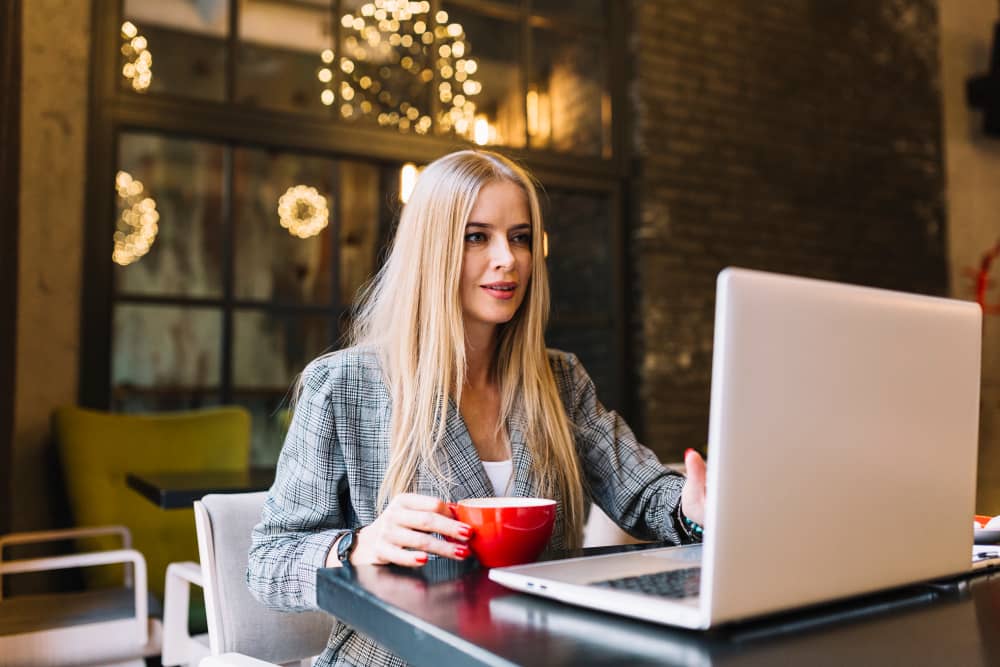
<point x="179" y="647"/>
<point x="91" y="559"/>
<point x="233" y="660"/>
<point x="37" y="536"/>
<point x="186" y="570"/>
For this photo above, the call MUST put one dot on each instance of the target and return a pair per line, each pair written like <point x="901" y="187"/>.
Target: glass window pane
<point x="485" y="76"/>
<point x="581" y="277"/>
<point x="585" y="9"/>
<point x="169" y="233"/>
<point x="286" y="54"/>
<point x="269" y="350"/>
<point x="360" y="223"/>
<point x="185" y="46"/>
<point x="568" y="105"/>
<point x="387" y="65"/>
<point x="283" y="207"/>
<point x="165" y="357"/>
<point x="579" y="261"/>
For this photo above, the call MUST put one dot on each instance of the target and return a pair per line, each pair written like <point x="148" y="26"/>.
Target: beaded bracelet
<point x="694" y="529"/>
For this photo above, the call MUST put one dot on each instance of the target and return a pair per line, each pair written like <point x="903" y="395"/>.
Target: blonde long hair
<point x="411" y="313"/>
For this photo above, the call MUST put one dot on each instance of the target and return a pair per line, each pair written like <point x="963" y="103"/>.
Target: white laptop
<point x="843" y="438"/>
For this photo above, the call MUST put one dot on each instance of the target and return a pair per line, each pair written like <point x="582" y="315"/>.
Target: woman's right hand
<point x="402" y="533"/>
<point x="693" y="494"/>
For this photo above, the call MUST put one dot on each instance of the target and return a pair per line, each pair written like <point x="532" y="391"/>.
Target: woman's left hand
<point x="693" y="494"/>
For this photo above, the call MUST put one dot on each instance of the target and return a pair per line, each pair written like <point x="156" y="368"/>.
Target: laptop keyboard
<point x="670" y="584"/>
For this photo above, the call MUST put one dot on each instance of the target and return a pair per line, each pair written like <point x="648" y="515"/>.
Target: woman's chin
<point x="493" y="317"/>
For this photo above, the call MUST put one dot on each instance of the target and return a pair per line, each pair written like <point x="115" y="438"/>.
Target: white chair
<point x="179" y="646"/>
<point x="241" y="631"/>
<point x="601" y="531"/>
<point x="92" y="627"/>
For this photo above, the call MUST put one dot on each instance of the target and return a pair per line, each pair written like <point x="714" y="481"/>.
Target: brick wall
<point x="795" y="136"/>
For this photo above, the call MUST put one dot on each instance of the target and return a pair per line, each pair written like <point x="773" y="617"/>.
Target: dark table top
<point x="449" y="613"/>
<point x="179" y="490"/>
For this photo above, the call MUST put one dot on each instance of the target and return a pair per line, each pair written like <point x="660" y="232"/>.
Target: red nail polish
<point x="422" y="559"/>
<point x="465" y="533"/>
<point x="462" y="551"/>
<point x="688" y="451"/>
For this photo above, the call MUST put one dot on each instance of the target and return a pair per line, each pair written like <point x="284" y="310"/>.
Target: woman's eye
<point x="522" y="239"/>
<point x="475" y="237"/>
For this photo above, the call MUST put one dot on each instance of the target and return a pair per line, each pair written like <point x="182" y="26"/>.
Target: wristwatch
<point x="345" y="546"/>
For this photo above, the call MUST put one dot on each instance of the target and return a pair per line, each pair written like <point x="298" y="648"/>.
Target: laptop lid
<point x="842" y="456"/>
<point x="842" y="442"/>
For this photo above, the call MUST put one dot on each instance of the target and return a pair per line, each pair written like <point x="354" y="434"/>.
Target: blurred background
<point x="192" y="191"/>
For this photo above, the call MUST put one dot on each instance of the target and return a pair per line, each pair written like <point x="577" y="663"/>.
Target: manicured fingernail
<point x="461" y="551"/>
<point x="465" y="532"/>
<point x="687" y="451"/>
<point x="422" y="559"/>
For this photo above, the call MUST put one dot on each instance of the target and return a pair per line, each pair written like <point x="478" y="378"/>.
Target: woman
<point x="448" y="392"/>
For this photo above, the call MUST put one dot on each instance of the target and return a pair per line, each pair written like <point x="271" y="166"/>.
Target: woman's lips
<point x="502" y="291"/>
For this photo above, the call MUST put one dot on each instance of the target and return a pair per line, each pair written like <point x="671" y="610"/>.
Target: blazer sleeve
<point x="624" y="478"/>
<point x="303" y="514"/>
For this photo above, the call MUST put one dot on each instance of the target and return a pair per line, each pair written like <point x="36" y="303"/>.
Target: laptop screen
<point x="842" y="441"/>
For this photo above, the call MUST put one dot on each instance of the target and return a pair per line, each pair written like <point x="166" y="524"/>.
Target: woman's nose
<point x="502" y="255"/>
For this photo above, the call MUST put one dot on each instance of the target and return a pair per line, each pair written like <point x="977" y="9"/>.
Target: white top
<point x="499" y="473"/>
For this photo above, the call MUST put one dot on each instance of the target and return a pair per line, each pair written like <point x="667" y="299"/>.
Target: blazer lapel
<point x="458" y="454"/>
<point x="460" y="457"/>
<point x="524" y="482"/>
<point x="520" y="455"/>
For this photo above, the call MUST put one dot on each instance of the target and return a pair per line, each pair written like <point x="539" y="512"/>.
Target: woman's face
<point x="496" y="266"/>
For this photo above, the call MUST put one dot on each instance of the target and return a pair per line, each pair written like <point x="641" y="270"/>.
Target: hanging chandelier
<point x="393" y="50"/>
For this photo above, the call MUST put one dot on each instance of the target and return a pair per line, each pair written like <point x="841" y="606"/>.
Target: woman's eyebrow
<point x="486" y="225"/>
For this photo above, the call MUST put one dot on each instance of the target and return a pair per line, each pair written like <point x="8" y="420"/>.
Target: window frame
<point x="10" y="173"/>
<point x="114" y="110"/>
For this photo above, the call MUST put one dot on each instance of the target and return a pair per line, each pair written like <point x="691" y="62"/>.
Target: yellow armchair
<point x="98" y="449"/>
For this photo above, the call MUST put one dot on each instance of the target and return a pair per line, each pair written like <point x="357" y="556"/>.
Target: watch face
<point x="345" y="546"/>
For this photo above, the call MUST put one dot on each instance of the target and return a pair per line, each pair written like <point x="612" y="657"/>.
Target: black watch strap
<point x="346" y="545"/>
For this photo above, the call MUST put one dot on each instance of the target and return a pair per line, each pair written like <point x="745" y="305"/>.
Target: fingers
<point x="427" y="543"/>
<point x="404" y="533"/>
<point x="428" y="522"/>
<point x="695" y="467"/>
<point x="429" y="515"/>
<point x="390" y="553"/>
<point x="415" y="501"/>
<point x="693" y="493"/>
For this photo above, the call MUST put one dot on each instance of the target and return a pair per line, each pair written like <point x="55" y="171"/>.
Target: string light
<point x="139" y="66"/>
<point x="302" y="210"/>
<point x="390" y="59"/>
<point x="137" y="225"/>
<point x="325" y="75"/>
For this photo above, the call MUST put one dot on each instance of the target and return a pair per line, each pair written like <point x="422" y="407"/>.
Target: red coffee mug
<point x="507" y="531"/>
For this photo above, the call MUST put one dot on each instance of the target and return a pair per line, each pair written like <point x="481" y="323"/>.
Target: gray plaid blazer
<point x="334" y="459"/>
